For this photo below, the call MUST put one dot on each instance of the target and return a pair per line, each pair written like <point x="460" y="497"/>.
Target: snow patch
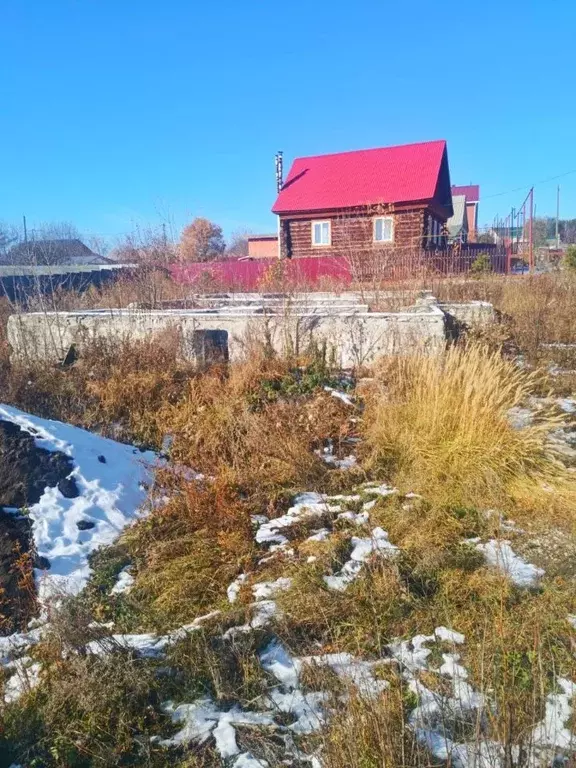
<point x="124" y="582"/>
<point x="500" y="555"/>
<point x="111" y="493"/>
<point x="25" y="677"/>
<point x="234" y="588"/>
<point x="362" y="549"/>
<point x="340" y="395"/>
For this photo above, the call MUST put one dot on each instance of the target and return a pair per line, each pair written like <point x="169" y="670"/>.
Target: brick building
<point x="366" y="202"/>
<point x="262" y="246"/>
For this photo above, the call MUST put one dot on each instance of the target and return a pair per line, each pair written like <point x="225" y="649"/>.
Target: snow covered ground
<point x="111" y="479"/>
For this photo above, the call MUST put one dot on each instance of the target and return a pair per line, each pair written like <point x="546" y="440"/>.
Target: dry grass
<point x="226" y="426"/>
<point x="536" y="312"/>
<point x="439" y="425"/>
<point x="117" y="386"/>
<point x="374" y="734"/>
<point x="188" y="550"/>
<point x="434" y="425"/>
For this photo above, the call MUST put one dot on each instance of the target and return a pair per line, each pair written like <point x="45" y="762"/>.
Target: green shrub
<point x="570" y="258"/>
<point x="481" y="264"/>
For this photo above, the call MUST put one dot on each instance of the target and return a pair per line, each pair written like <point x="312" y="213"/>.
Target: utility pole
<point x="558" y="217"/>
<point x="512" y="215"/>
<point x="25" y="230"/>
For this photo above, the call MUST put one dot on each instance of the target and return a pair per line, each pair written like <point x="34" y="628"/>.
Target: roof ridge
<point x="372" y="149"/>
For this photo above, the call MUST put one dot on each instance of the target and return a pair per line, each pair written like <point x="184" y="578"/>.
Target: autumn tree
<point x="202" y="240"/>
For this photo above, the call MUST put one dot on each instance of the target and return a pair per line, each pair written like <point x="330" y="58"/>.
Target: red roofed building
<point x="368" y="201"/>
<point x="472" y="195"/>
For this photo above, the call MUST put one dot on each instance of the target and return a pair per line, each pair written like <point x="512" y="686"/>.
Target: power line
<point x="524" y="189"/>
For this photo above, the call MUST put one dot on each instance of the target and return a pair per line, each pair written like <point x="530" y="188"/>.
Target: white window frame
<point x="320" y="223"/>
<point x="384" y="218"/>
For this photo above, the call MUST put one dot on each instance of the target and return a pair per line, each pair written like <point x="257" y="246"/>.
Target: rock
<point x="42" y="563"/>
<point x="85" y="525"/>
<point x="102" y="459"/>
<point x="68" y="488"/>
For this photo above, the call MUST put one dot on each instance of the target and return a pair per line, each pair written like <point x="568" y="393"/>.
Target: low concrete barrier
<point x="352" y="334"/>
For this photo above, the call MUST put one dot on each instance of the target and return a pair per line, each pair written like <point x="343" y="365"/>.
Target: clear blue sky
<point x="117" y="112"/>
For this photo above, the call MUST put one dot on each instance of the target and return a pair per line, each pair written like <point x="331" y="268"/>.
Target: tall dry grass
<point x="440" y="426"/>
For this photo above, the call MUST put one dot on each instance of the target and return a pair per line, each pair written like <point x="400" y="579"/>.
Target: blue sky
<point x="116" y="112"/>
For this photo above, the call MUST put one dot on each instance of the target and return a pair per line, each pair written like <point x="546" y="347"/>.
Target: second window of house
<point x="384" y="229"/>
<point x="321" y="233"/>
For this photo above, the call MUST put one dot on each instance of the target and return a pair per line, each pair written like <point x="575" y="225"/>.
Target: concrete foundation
<point x="351" y="334"/>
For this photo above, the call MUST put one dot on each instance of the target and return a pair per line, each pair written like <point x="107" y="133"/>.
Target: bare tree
<point x="238" y="244"/>
<point x="202" y="240"/>
<point x="52" y="243"/>
<point x="55" y="230"/>
<point x="147" y="247"/>
<point x="8" y="236"/>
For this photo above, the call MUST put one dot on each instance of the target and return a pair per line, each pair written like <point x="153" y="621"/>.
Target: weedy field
<point x="350" y="570"/>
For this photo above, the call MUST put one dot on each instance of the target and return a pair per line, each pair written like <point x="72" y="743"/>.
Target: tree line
<point x="544" y="230"/>
<point x="56" y="243"/>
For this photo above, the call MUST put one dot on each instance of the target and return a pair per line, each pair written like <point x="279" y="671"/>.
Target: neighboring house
<point x="472" y="195"/>
<point x="262" y="246"/>
<point x="63" y="251"/>
<point x="370" y="201"/>
<point x="457" y="224"/>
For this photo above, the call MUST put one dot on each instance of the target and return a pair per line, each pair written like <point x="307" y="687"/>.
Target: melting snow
<point x="500" y="555"/>
<point x="520" y="418"/>
<point x="552" y="731"/>
<point x="362" y="549"/>
<point x="567" y="404"/>
<point x="340" y="395"/>
<point x="111" y="493"/>
<point x="276" y="660"/>
<point x="124" y="582"/>
<point x="319" y="535"/>
<point x="147" y="645"/>
<point x="306" y="505"/>
<point x="267" y="589"/>
<point x="203" y="718"/>
<point x="25" y="677"/>
<point x="234" y="588"/>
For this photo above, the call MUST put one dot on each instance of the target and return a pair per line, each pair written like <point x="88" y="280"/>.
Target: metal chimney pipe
<point x="279" y="184"/>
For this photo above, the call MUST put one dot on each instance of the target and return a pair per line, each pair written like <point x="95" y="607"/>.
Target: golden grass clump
<point x="189" y="549"/>
<point x="439" y="425"/>
<point x="222" y="426"/>
<point x="374" y="734"/>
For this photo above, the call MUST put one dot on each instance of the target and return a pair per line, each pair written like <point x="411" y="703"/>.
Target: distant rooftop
<point x="470" y="192"/>
<point x="58" y="251"/>
<point x="273" y="236"/>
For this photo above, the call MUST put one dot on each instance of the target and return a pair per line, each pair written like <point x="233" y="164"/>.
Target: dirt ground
<point x="25" y="471"/>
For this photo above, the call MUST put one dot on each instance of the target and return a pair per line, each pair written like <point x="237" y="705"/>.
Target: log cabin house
<point x="372" y="201"/>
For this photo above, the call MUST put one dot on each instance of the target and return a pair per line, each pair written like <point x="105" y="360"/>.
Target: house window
<point x="384" y="229"/>
<point x="434" y="232"/>
<point x="321" y="234"/>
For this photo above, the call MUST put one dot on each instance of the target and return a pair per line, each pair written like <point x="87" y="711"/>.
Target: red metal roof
<point x="471" y="192"/>
<point x="364" y="177"/>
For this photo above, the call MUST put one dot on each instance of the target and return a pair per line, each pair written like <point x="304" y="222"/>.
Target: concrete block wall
<point x="353" y="338"/>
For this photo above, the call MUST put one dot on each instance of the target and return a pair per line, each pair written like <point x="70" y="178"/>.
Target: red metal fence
<point x="360" y="268"/>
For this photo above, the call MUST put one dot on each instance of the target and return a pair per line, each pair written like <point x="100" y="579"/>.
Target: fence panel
<point x="359" y="267"/>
